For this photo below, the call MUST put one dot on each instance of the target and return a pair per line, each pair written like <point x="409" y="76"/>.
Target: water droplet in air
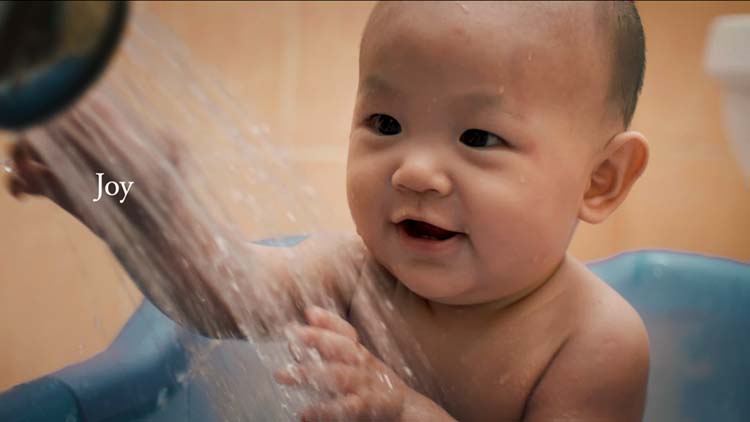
<point x="181" y="377"/>
<point x="161" y="399"/>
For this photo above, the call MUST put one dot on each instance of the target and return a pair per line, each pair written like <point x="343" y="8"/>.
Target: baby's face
<point x="474" y="135"/>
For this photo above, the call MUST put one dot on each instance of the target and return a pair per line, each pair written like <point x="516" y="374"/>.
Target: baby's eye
<point x="477" y="138"/>
<point x="384" y="124"/>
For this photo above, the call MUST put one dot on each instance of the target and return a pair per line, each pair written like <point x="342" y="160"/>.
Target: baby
<point x="482" y="134"/>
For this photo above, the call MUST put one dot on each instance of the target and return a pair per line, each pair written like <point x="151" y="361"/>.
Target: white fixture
<point x="728" y="60"/>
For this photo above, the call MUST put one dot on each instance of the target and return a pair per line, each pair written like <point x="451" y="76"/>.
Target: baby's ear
<point x="620" y="165"/>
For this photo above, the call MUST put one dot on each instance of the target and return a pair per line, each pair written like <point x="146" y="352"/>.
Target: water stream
<point x="207" y="178"/>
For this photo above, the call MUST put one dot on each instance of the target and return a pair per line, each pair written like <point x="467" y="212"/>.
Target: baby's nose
<point x="421" y="174"/>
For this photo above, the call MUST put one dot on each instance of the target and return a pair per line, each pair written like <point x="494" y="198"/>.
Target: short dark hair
<point x="628" y="55"/>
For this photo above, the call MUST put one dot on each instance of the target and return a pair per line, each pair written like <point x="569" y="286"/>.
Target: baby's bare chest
<point x="483" y="372"/>
<point x="488" y="373"/>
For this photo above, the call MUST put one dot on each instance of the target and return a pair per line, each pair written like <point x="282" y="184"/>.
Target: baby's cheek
<point x="513" y="248"/>
<point x="363" y="204"/>
<point x="357" y="195"/>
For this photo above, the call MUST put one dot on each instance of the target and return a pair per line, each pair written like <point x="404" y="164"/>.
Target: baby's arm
<point x="599" y="374"/>
<point x="194" y="268"/>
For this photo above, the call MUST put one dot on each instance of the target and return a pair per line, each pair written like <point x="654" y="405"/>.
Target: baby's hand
<point x="362" y="387"/>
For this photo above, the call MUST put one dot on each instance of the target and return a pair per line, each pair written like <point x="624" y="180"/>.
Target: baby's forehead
<point x="571" y="24"/>
<point x="554" y="55"/>
<point x="573" y="34"/>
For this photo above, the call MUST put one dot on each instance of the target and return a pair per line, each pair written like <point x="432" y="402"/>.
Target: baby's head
<point x="483" y="132"/>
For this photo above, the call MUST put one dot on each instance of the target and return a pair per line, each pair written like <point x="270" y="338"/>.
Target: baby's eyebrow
<point x="476" y="101"/>
<point x="377" y="85"/>
<point x="480" y="99"/>
<point x="472" y="100"/>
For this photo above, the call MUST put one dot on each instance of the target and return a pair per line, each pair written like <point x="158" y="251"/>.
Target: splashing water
<point x="205" y="180"/>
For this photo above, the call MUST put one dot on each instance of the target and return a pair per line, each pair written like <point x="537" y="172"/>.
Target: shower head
<point x="50" y="53"/>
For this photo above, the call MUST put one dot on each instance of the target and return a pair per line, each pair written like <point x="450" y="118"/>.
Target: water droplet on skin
<point x="408" y="372"/>
<point x="387" y="380"/>
<point x="296" y="351"/>
<point x="221" y="243"/>
<point x="291" y="369"/>
<point x="8" y="166"/>
<point x="502" y="379"/>
<point x="315" y="355"/>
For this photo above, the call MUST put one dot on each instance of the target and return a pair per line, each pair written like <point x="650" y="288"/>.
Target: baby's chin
<point x="443" y="290"/>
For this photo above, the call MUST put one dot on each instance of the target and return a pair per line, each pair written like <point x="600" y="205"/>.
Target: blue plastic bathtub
<point x="696" y="309"/>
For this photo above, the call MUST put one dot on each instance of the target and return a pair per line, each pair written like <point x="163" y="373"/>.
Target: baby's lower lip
<point x="428" y="246"/>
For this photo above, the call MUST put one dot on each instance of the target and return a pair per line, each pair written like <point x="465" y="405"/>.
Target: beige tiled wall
<point x="692" y="196"/>
<point x="62" y="298"/>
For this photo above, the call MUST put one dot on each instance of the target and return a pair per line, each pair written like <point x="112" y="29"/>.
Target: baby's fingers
<point x="335" y="378"/>
<point x="330" y="345"/>
<point x="319" y="317"/>
<point x="347" y="408"/>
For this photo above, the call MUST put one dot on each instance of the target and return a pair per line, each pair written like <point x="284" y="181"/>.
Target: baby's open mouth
<point x="422" y="230"/>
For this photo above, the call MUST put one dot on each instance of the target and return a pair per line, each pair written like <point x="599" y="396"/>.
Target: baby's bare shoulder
<point x="601" y="370"/>
<point x="609" y="323"/>
<point x="334" y="253"/>
<point x="330" y="261"/>
<point x="320" y="252"/>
